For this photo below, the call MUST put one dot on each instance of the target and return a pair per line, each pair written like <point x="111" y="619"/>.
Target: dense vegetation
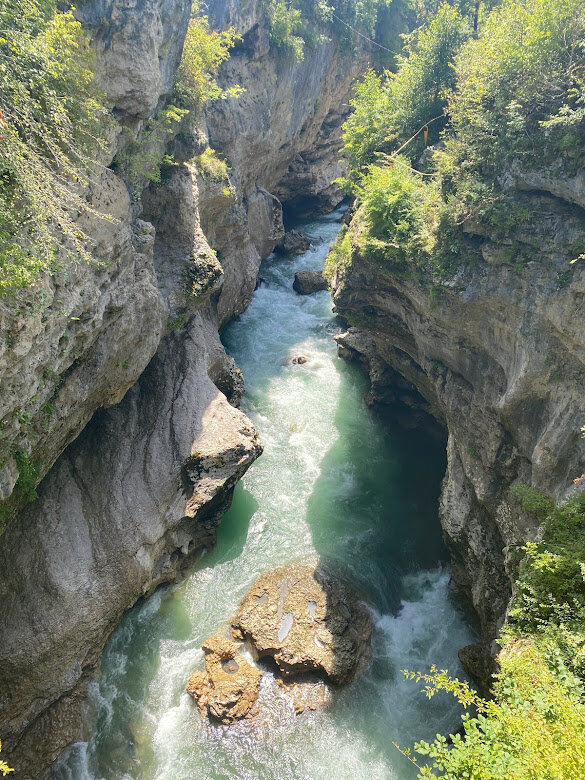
<point x="510" y="97"/>
<point x="53" y="126"/>
<point x="535" y="725"/>
<point x="296" y="24"/>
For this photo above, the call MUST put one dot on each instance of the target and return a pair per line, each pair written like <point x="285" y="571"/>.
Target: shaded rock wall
<point x="129" y="504"/>
<point x="497" y="354"/>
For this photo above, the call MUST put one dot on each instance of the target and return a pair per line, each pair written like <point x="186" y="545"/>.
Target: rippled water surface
<point x="332" y="480"/>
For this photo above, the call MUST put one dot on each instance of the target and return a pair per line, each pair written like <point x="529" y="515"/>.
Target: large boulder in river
<point x="307" y="282"/>
<point x="228" y="688"/>
<point x="294" y="242"/>
<point x="308" y="621"/>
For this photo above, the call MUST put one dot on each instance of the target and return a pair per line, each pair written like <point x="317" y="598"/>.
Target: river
<point x="332" y="480"/>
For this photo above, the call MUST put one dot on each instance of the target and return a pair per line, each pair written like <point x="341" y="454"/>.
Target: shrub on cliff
<point x="144" y="157"/>
<point x="51" y="122"/>
<point x="398" y="214"/>
<point x="390" y="108"/>
<point x="203" y="52"/>
<point x="295" y="24"/>
<point x="513" y="98"/>
<point x="535" y="725"/>
<point x="519" y="102"/>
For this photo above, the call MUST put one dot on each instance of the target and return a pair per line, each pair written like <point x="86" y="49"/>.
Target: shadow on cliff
<point x="373" y="511"/>
<point x="133" y="655"/>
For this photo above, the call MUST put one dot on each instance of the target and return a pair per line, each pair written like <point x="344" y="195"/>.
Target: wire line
<point x="365" y="37"/>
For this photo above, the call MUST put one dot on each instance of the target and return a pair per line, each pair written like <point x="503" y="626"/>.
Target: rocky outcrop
<point x="307" y="282"/>
<point x="307" y="620"/>
<point x="138" y="49"/>
<point x="129" y="504"/>
<point x="497" y="355"/>
<point x="82" y="338"/>
<point x="303" y="618"/>
<point x="228" y="689"/>
<point x="129" y="344"/>
<point x="294" y="242"/>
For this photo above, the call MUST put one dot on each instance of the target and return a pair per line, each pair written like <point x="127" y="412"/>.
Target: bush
<point x="210" y="166"/>
<point x="390" y="108"/>
<point x="398" y="213"/>
<point x="535" y="725"/>
<point x="52" y="125"/>
<point x="203" y="52"/>
<point x="533" y="728"/>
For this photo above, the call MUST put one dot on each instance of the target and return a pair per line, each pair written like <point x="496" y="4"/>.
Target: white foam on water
<point x="315" y="427"/>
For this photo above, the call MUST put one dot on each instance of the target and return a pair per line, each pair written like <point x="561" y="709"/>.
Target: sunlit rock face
<point x="497" y="355"/>
<point x="229" y="687"/>
<point x="307" y="620"/>
<point x="304" y="619"/>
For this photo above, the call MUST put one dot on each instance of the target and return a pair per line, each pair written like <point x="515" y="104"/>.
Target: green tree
<point x="203" y="52"/>
<point x="519" y="100"/>
<point x="391" y="108"/>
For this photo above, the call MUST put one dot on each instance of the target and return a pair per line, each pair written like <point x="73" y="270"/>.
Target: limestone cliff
<point x="497" y="355"/>
<point x="143" y="486"/>
<point x="281" y="137"/>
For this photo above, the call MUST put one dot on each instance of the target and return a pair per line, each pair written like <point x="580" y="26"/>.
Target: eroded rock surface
<point x="496" y="354"/>
<point x="307" y="620"/>
<point x="125" y="508"/>
<point x="304" y="618"/>
<point x="307" y="695"/>
<point x="294" y="242"/>
<point x="229" y="687"/>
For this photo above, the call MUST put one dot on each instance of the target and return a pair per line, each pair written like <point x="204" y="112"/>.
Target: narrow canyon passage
<point x="333" y="481"/>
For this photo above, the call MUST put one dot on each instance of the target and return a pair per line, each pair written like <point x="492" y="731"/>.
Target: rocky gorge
<point x="141" y="489"/>
<point x="122" y="438"/>
<point x="495" y="354"/>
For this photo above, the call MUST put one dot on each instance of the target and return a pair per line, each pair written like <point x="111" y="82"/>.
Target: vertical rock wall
<point x="497" y="354"/>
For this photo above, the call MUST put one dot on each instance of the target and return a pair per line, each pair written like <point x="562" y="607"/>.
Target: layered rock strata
<point x="497" y="354"/>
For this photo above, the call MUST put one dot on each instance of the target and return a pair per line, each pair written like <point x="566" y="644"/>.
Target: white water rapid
<point x="333" y="480"/>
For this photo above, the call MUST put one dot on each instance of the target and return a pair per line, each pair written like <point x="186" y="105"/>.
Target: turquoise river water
<point x="333" y="480"/>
